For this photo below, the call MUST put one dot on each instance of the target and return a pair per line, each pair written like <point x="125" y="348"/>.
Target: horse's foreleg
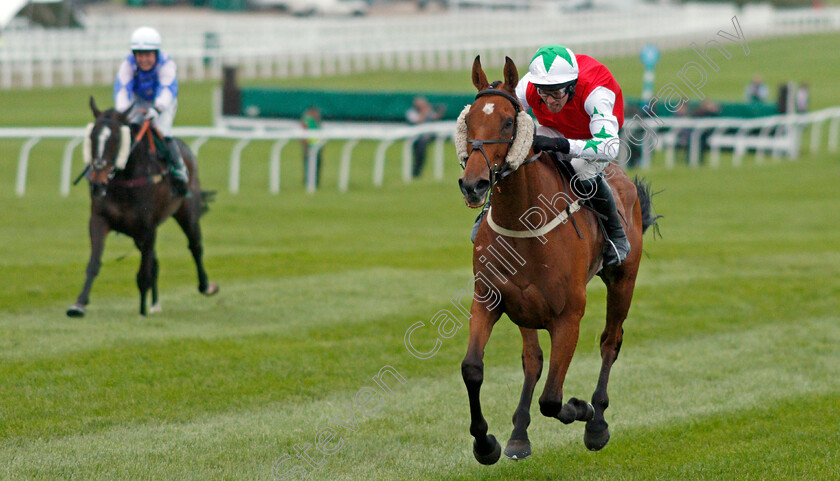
<point x="98" y="231"/>
<point x="619" y="295"/>
<point x="564" y="337"/>
<point x="146" y="273"/>
<point x="187" y="217"/>
<point x="519" y="446"/>
<point x="155" y="307"/>
<point x="485" y="448"/>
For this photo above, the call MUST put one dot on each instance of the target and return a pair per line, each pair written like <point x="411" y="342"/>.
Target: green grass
<point x="729" y="368"/>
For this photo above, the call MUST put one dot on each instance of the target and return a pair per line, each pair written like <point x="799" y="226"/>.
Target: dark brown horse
<point x="533" y="272"/>
<point x="130" y="193"/>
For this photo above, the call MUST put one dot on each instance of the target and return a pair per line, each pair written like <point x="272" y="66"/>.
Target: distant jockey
<point x="147" y="79"/>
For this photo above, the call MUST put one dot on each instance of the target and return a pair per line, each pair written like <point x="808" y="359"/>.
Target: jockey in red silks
<point x="580" y="109"/>
<point x="147" y="79"/>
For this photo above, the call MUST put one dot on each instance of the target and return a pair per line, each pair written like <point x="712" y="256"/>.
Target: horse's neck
<point x="532" y="185"/>
<point x="139" y="164"/>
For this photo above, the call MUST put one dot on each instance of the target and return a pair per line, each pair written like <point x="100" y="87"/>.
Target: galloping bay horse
<point x="543" y="286"/>
<point x="130" y="193"/>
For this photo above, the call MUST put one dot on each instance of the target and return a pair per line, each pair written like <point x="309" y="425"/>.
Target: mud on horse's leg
<point x="98" y="231"/>
<point x="519" y="446"/>
<point x="619" y="295"/>
<point x="485" y="447"/>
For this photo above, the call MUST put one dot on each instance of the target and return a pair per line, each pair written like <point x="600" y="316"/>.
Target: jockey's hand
<point x="151" y="114"/>
<point x="551" y="144"/>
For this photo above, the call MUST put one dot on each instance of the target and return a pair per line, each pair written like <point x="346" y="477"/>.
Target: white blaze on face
<point x="488" y="108"/>
<point x="104" y="134"/>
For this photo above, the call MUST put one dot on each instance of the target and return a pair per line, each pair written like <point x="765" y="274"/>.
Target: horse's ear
<point x="94" y="109"/>
<point x="478" y="77"/>
<point x="511" y="74"/>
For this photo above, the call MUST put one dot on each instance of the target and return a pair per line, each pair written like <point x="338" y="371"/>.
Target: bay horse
<point x="542" y="282"/>
<point x="130" y="193"/>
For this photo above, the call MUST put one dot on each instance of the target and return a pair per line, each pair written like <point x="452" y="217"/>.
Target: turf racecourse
<point x="729" y="368"/>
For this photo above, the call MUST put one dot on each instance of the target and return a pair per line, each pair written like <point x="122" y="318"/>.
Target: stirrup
<point x="612" y="257"/>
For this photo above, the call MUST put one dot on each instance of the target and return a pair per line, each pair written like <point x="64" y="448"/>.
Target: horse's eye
<point x="508" y="124"/>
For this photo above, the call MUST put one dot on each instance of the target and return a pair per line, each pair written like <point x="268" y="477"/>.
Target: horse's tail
<point x="207" y="196"/>
<point x="649" y="218"/>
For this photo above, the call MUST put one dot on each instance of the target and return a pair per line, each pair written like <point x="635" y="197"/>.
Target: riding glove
<point x="551" y="144"/>
<point x="151" y="114"/>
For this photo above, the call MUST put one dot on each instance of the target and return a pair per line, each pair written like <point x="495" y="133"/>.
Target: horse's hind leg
<point x="155" y="307"/>
<point x="146" y="274"/>
<point x="98" y="231"/>
<point x="485" y="448"/>
<point x="519" y="446"/>
<point x="187" y="217"/>
<point x="619" y="295"/>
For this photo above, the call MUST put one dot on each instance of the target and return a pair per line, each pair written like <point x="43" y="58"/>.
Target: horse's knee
<point x="472" y="372"/>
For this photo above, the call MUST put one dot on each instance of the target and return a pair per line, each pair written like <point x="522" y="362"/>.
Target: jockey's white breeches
<point x="163" y="122"/>
<point x="584" y="168"/>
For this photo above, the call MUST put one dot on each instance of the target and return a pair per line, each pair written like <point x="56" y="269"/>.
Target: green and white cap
<point x="553" y="65"/>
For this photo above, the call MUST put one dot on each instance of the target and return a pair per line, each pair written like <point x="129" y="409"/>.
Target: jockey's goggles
<point x="555" y="91"/>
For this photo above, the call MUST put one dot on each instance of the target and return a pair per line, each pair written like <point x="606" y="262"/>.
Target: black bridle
<point x="503" y="170"/>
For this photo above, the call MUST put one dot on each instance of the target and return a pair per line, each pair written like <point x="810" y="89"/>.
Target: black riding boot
<point x="177" y="167"/>
<point x="617" y="247"/>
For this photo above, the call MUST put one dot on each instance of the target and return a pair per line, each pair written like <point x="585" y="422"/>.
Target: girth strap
<point x="526" y="234"/>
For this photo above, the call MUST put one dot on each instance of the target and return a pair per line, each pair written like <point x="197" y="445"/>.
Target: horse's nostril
<point x="482" y="186"/>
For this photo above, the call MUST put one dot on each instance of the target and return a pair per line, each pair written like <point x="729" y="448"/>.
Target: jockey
<point x="580" y="109"/>
<point x="147" y="79"/>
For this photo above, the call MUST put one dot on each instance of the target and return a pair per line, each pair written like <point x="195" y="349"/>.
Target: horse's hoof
<point x="517" y="449"/>
<point x="76" y="310"/>
<point x="576" y="410"/>
<point x="490" y="457"/>
<point x="596" y="440"/>
<point x="567" y="414"/>
<point x="155" y="308"/>
<point x="212" y="288"/>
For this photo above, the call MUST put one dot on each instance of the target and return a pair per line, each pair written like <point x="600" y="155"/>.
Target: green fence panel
<point x="392" y="106"/>
<point x="745" y="110"/>
<point x="356" y="106"/>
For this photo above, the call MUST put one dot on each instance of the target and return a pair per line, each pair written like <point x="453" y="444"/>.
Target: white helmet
<point x="553" y="66"/>
<point x="145" y="38"/>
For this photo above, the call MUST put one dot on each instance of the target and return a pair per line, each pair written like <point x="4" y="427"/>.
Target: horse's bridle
<point x="99" y="164"/>
<point x="503" y="170"/>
